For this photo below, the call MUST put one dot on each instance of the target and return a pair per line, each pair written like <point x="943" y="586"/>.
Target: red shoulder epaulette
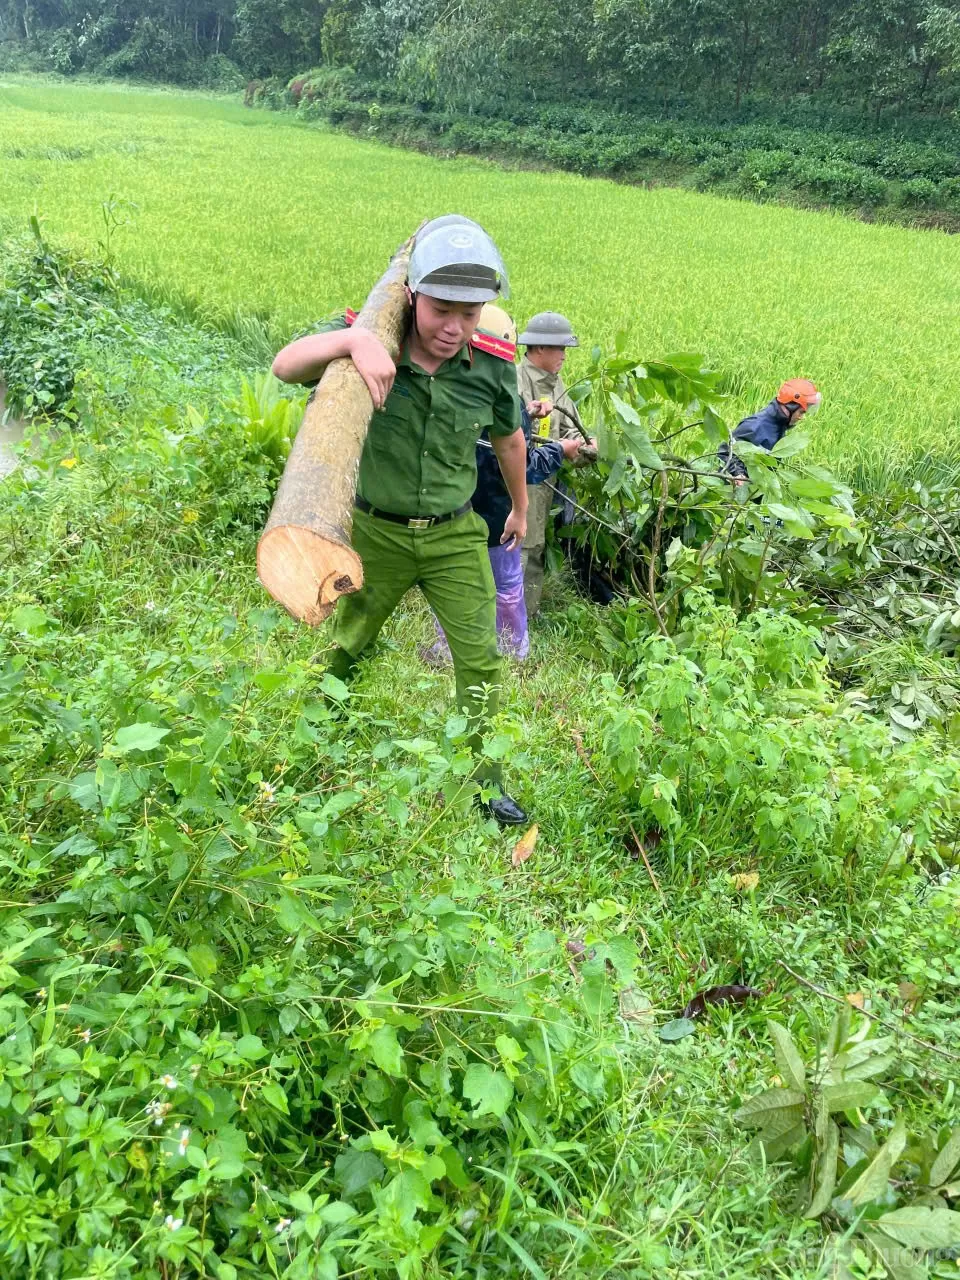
<point x="499" y="347"/>
<point x="350" y="315"/>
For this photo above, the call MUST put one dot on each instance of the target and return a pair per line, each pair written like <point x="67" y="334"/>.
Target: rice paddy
<point x="250" y="218"/>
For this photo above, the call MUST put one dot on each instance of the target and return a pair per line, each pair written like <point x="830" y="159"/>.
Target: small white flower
<point x="172" y="1223"/>
<point x="282" y="1225"/>
<point x="169" y="1082"/>
<point x="150" y="606"/>
<point x="42" y="993"/>
<point x="85" y="1035"/>
<point x="184" y="1141"/>
<point x="268" y="792"/>
<point x="229" y="553"/>
<point x="195" y="1070"/>
<point x="156" y="1111"/>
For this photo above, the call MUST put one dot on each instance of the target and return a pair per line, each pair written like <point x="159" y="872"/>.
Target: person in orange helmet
<point x="795" y="399"/>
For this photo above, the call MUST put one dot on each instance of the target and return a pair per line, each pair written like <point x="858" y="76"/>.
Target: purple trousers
<point x="513" y="641"/>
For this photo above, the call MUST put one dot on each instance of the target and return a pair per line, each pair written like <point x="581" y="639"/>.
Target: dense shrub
<point x="757" y="158"/>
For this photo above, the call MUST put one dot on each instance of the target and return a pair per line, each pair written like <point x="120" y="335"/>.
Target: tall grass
<point x="264" y="225"/>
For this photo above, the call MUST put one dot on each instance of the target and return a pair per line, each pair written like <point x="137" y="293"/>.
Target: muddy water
<point x="10" y="434"/>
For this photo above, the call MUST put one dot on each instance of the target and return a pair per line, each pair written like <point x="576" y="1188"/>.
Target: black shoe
<point x="505" y="810"/>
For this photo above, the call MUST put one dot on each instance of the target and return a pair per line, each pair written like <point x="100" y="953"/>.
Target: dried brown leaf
<point x="525" y="846"/>
<point x="855" y="999"/>
<point x="745" y="881"/>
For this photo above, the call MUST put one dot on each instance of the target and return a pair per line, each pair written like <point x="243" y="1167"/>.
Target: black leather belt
<point x="412" y="522"/>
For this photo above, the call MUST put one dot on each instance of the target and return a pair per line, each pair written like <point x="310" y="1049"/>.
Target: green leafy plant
<point x="656" y="508"/>
<point x="867" y="1176"/>
<point x="52" y="302"/>
<point x="269" y="418"/>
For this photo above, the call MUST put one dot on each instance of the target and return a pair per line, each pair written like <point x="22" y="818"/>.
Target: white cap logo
<point x="461" y="240"/>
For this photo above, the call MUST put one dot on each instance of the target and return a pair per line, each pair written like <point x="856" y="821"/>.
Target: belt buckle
<point x="422" y="522"/>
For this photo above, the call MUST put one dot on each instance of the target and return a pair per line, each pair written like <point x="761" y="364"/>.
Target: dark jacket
<point x="764" y="429"/>
<point x="491" y="500"/>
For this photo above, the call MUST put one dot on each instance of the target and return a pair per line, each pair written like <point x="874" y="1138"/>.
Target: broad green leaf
<point x="625" y="411"/>
<point x="275" y="1096"/>
<point x="139" y="737"/>
<point x="795" y="520"/>
<point x="826" y="1173"/>
<point x="794" y="441"/>
<point x="30" y="620"/>
<point x="918" y="1227"/>
<point x="642" y="450"/>
<point x="872" y="1183"/>
<point x="337" y="1211"/>
<point x="301" y="1201"/>
<point x="386" y="1051"/>
<point x="946" y="1161"/>
<point x="333" y="688"/>
<point x="878" y="1065"/>
<point x="775" y="1148"/>
<point x="289" y="1018"/>
<point x="588" y="1077"/>
<point x="850" y="1094"/>
<point x="897" y="1264"/>
<point x="339" y="803"/>
<point x="250" y="1048"/>
<point x="453" y="1164"/>
<point x="490" y="1091"/>
<point x="508" y="1049"/>
<point x="764" y="1104"/>
<point x="777" y="1123"/>
<point x="355" y="1170"/>
<point x="203" y="960"/>
<point x="677" y="1029"/>
<point x="808" y="487"/>
<point x="424" y="1129"/>
<point x="714" y="428"/>
<point x="788" y="1057"/>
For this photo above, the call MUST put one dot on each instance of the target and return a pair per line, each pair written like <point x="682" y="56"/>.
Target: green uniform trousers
<point x="534" y="551"/>
<point x="449" y="562"/>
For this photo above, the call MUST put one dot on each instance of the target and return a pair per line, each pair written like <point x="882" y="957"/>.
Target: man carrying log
<point x="413" y="524"/>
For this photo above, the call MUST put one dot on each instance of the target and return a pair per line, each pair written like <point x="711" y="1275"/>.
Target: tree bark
<point x="304" y="558"/>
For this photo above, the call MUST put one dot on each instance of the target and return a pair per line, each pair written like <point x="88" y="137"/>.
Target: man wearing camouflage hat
<point x="547" y="338"/>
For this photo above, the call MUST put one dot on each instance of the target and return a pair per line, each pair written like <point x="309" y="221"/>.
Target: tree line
<point x="873" y="56"/>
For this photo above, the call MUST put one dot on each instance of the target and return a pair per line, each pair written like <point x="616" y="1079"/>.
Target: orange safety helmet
<point x="800" y="391"/>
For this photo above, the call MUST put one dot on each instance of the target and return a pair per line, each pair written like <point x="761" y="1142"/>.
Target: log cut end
<point x="306" y="572"/>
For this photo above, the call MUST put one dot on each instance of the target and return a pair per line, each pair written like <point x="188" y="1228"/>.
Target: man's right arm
<point x="305" y="359"/>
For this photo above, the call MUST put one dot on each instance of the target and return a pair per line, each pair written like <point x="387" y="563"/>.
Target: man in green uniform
<point x="547" y="338"/>
<point x="413" y="524"/>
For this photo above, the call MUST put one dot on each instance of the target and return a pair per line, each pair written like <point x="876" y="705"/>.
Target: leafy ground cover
<point x="259" y="230"/>
<point x="277" y="1001"/>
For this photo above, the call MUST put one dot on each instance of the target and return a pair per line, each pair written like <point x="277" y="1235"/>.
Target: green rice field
<point x="244" y="214"/>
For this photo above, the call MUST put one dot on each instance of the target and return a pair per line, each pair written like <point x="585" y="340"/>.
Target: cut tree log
<point x="304" y="558"/>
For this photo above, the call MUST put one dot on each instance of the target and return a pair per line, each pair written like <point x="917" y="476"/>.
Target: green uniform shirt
<point x="419" y="458"/>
